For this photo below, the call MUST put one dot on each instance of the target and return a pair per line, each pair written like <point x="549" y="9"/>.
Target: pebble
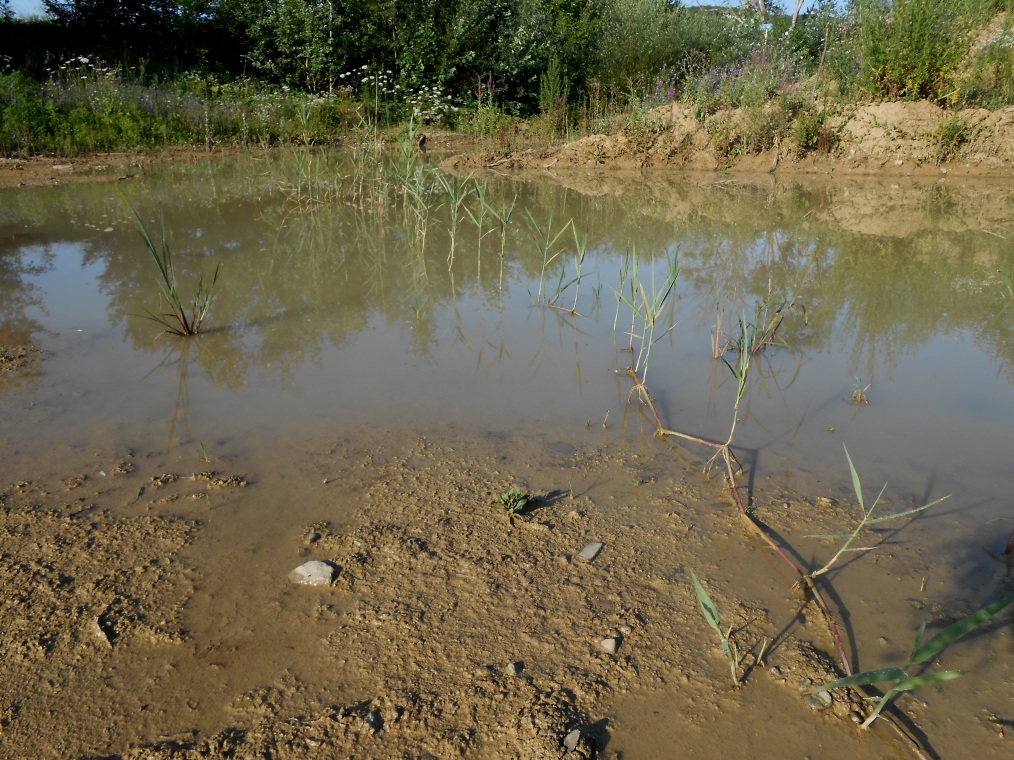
<point x="374" y="720"/>
<point x="814" y="703"/>
<point x="825" y="697"/>
<point x="314" y="573"/>
<point x="609" y="645"/>
<point x="571" y="740"/>
<point x="515" y="668"/>
<point x="100" y="635"/>
<point x="312" y="537"/>
<point x="591" y="551"/>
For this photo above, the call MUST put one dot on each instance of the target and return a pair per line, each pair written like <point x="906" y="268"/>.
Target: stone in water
<point x="315" y="573"/>
<point x="591" y="551"/>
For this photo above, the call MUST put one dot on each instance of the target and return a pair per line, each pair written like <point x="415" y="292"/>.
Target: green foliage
<point x="949" y="138"/>
<point x="553" y="88"/>
<point x="899" y="679"/>
<point x="570" y="61"/>
<point x="85" y="106"/>
<point x="710" y="613"/>
<point x="913" y="48"/>
<point x="811" y="133"/>
<point x="177" y="320"/>
<point x="513" y="502"/>
<point x="990" y="81"/>
<point x="868" y="518"/>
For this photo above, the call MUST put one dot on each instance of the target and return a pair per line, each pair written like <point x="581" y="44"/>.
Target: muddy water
<point x="334" y="321"/>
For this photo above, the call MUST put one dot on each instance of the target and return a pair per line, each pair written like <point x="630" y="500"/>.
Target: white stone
<point x="608" y="645"/>
<point x="591" y="551"/>
<point x="313" y="573"/>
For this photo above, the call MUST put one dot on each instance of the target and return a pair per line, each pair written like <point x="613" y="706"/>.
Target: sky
<point x="34" y="7"/>
<point x="27" y="7"/>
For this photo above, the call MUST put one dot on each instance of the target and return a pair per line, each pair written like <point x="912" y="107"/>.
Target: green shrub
<point x="914" y="48"/>
<point x="989" y="82"/>
<point x="949" y="138"/>
<point x="810" y="133"/>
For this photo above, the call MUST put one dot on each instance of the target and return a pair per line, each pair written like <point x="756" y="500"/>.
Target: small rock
<point x="775" y="671"/>
<point x="99" y="633"/>
<point x="609" y="645"/>
<point x="515" y="668"/>
<point x="805" y="684"/>
<point x="314" y="573"/>
<point x="312" y="537"/>
<point x="825" y="697"/>
<point x="813" y="703"/>
<point x="624" y="629"/>
<point x="374" y="720"/>
<point x="591" y="551"/>
<point x="571" y="740"/>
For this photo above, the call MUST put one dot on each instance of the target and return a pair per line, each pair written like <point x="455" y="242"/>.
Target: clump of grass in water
<point x="176" y="321"/>
<point x="503" y="215"/>
<point x="645" y="308"/>
<point x="899" y="679"/>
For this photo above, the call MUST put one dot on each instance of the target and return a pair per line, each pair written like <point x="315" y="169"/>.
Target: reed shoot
<point x="177" y="320"/>
<point x="710" y="613"/>
<point x="899" y="678"/>
<point x="867" y="519"/>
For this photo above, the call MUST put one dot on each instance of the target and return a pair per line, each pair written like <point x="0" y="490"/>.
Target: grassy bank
<point x="781" y="76"/>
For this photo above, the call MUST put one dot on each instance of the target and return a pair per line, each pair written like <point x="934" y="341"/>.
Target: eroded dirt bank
<point x="901" y="138"/>
<point x="894" y="139"/>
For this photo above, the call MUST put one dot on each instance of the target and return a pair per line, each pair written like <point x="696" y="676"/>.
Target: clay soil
<point x="147" y="611"/>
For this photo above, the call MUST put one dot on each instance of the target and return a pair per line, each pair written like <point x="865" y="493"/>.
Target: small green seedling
<point x="898" y="677"/>
<point x="513" y="502"/>
<point x="711" y="615"/>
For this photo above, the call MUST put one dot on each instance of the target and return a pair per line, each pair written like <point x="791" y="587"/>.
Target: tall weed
<point x="914" y="48"/>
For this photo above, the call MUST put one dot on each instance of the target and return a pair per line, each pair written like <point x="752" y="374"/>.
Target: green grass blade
<point x="863" y="679"/>
<point x="918" y="641"/>
<point x="707" y="606"/>
<point x="956" y="630"/>
<point x="907" y="512"/>
<point x="855" y="479"/>
<point x="914" y="683"/>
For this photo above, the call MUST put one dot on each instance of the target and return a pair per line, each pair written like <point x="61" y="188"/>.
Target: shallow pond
<point x="417" y="308"/>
